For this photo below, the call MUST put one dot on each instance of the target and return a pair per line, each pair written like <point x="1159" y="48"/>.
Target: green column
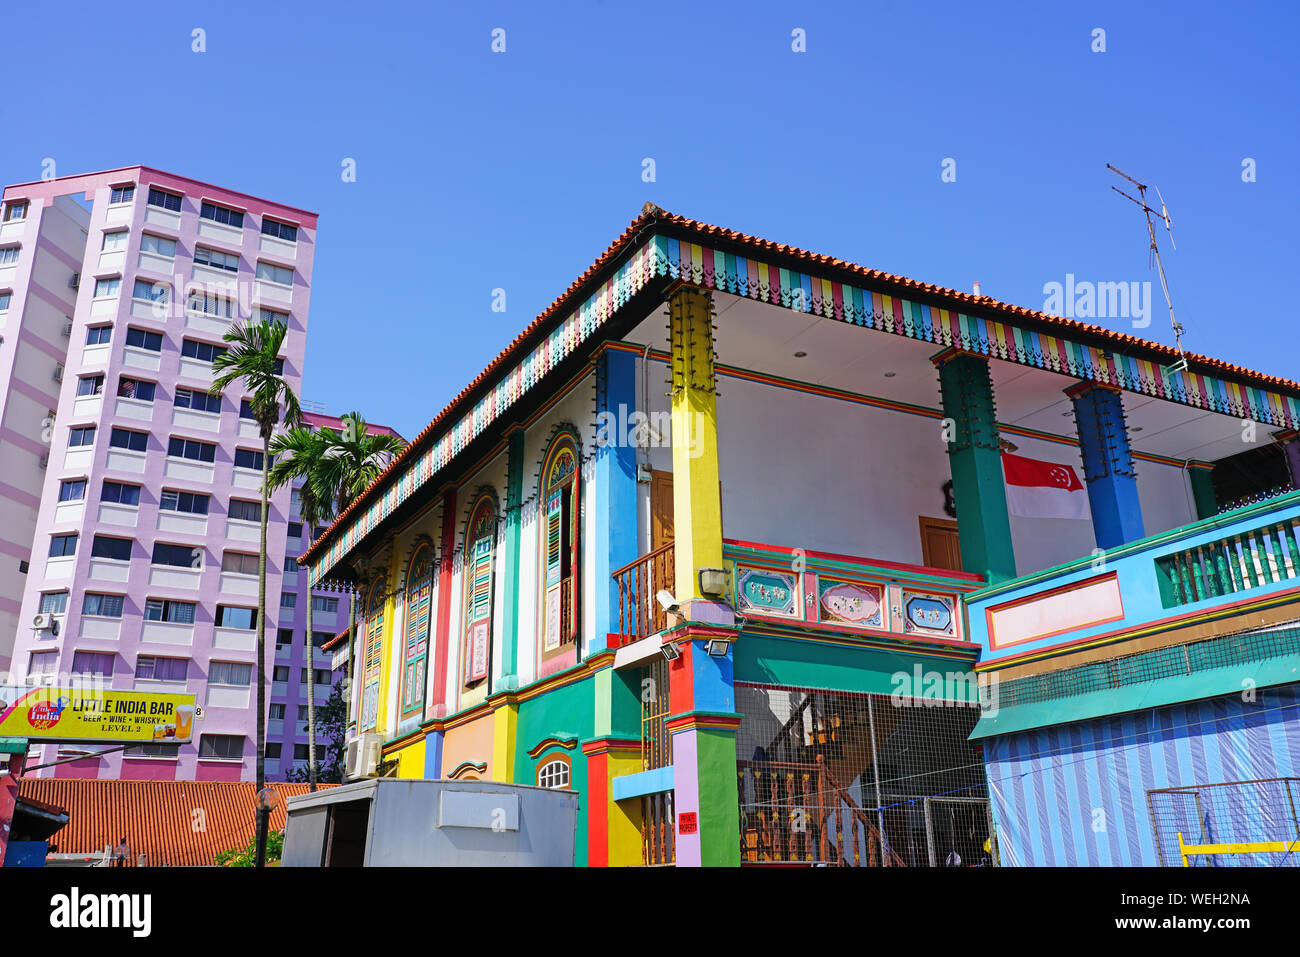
<point x="510" y="624"/>
<point x="983" y="528"/>
<point x="1202" y="490"/>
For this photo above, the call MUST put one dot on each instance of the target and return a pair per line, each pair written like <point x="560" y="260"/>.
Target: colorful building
<point x="700" y="542"/>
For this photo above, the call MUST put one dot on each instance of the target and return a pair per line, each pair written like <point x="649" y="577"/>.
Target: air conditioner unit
<point x="45" y="461"/>
<point x="46" y="623"/>
<point x="67" y="329"/>
<point x="75" y="281"/>
<point x="363" y="756"/>
<point x="58" y="372"/>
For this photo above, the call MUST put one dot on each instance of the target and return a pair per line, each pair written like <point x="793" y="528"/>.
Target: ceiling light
<point x="890" y="375"/>
<point x="800" y="355"/>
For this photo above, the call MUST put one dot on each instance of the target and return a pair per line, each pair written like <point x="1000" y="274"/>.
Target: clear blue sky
<point x="478" y="170"/>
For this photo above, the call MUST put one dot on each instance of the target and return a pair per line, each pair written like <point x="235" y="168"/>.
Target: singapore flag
<point x="1043" y="489"/>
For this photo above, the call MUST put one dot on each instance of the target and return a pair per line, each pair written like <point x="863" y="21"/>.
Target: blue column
<point x="615" y="485"/>
<point x="1107" y="464"/>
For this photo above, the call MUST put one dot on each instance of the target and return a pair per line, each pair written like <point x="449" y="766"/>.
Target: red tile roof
<point x="653" y="216"/>
<point x="179" y="823"/>
<point x="336" y="640"/>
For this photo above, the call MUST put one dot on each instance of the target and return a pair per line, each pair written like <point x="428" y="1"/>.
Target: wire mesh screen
<point x="842" y="778"/>
<point x="1235" y="824"/>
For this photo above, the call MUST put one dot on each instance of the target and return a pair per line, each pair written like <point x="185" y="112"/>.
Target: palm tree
<point x="354" y="459"/>
<point x="299" y="454"/>
<point x="252" y="358"/>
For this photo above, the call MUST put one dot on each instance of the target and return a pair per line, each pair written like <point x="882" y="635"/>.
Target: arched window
<point x="419" y="591"/>
<point x="554" y="774"/>
<point x="480" y="536"/>
<point x="370" y="660"/>
<point x="560" y="565"/>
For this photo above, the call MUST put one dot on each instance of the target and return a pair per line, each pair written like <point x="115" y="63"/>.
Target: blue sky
<point x="478" y="170"/>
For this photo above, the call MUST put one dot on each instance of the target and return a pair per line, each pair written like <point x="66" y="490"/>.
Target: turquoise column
<point x="975" y="459"/>
<point x="510" y="618"/>
<point x="615" y="489"/>
<point x="1107" y="464"/>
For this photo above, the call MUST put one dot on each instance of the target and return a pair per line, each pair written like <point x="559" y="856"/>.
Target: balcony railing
<point x="639" y="614"/>
<point x="1236" y="561"/>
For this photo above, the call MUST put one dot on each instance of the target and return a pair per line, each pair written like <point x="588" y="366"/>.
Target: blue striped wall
<point x="1076" y="795"/>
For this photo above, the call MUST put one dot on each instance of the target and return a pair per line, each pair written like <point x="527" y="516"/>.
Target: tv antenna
<point x="1154" y="258"/>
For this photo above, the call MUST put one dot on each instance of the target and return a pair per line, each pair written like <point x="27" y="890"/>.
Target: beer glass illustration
<point x="184" y="721"/>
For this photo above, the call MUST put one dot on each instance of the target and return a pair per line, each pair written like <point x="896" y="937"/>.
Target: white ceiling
<point x="765" y="338"/>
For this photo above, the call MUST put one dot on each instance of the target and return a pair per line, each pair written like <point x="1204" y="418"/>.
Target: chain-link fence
<point x="842" y="778"/>
<point x="1233" y="824"/>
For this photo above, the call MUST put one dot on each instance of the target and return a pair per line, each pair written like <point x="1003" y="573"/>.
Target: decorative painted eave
<point x="837" y="290"/>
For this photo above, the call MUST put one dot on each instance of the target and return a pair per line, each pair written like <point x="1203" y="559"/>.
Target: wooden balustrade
<point x="639" y="613"/>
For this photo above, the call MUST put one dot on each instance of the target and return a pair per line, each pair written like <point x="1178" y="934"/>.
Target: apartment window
<point x="284" y="636"/>
<point x="300" y="752"/>
<point x="98" y="335"/>
<point x="198" y="401"/>
<point x="222" y="747"/>
<point x="269" y="272"/>
<point x="239" y="563"/>
<point x="246" y="409"/>
<point x="4" y="301"/>
<point x="164" y="200"/>
<point x="162" y="609"/>
<point x="177" y="556"/>
<point x="245" y="511"/>
<point x="108" y="287"/>
<point x="191" y="449"/>
<point x="90" y="385"/>
<point x="128" y="439"/>
<point x="93" y="663"/>
<point x="120" y="493"/>
<point x="81" y="435"/>
<point x="324" y="603"/>
<point x="162" y="669"/>
<point x="288" y="599"/>
<point x="248" y="459"/>
<point x="273" y="316"/>
<point x="203" y="256"/>
<point x="230" y="616"/>
<point x="72" y="490"/>
<point x="101" y="606"/>
<point x="158" y="245"/>
<point x="17" y="211"/>
<point x="237" y="673"/>
<point x="281" y="673"/>
<point x="273" y="749"/>
<point x="143" y="339"/>
<point x="277" y="712"/>
<point x="295" y="529"/>
<point x="151" y="750"/>
<point x="318" y="638"/>
<point x="136" y="389"/>
<point x="121" y="194"/>
<point x="279" y="230"/>
<point x="222" y="214"/>
<point x="322" y="675"/>
<point x="43" y="663"/>
<point x="61" y="546"/>
<point x="151" y="291"/>
<point x="203" y="351"/>
<point x="54" y="602"/>
<point x="117" y="549"/>
<point x="193" y="503"/>
<point x="9" y="255"/>
<point x="210" y="304"/>
<point x="113" y="242"/>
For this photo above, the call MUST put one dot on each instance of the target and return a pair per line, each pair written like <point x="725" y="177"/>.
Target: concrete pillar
<point x="615" y="491"/>
<point x="511" y="563"/>
<point x="1203" y="497"/>
<point x="1107" y="464"/>
<point x="975" y="459"/>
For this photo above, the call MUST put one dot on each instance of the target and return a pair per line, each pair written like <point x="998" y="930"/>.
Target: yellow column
<point x="697" y="502"/>
<point x="505" y="721"/>
<point x="391" y="636"/>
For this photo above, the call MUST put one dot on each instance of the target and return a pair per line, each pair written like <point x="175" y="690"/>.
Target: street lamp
<point x="266" y="799"/>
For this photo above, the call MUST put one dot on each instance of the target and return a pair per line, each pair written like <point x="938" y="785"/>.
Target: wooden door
<point x="939" y="545"/>
<point x="661" y="508"/>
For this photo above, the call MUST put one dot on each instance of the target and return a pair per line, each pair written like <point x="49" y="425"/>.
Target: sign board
<point x="687" y="823"/>
<point x="91" y="713"/>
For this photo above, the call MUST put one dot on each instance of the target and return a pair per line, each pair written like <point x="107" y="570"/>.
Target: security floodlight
<point x="669" y="651"/>
<point x="713" y="582"/>
<point x="717" y="647"/>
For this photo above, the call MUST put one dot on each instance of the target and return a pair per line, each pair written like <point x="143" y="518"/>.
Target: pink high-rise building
<point x="129" y="497"/>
